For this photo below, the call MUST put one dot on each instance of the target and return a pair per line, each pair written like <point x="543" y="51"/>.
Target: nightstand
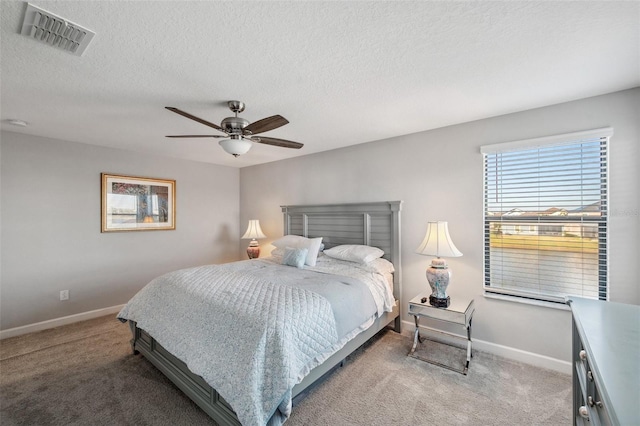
<point x="459" y="312"/>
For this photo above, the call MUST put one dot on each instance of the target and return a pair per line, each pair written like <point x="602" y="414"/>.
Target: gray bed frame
<point x="376" y="224"/>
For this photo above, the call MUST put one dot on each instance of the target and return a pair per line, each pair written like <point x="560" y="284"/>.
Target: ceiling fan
<point x="240" y="132"/>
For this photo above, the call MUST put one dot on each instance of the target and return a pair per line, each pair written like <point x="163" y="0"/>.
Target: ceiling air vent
<point x="55" y="31"/>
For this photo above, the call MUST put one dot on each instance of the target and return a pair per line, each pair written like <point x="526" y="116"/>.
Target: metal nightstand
<point x="459" y="312"/>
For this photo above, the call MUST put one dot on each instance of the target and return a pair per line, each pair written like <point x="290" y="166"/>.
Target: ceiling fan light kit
<point x="240" y="130"/>
<point x="235" y="147"/>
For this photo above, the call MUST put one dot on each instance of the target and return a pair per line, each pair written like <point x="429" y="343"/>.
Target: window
<point x="545" y="217"/>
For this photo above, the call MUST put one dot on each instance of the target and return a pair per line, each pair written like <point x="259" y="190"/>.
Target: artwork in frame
<point x="131" y="203"/>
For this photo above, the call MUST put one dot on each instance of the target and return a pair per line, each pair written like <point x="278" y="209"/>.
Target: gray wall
<point x="438" y="175"/>
<point x="50" y="221"/>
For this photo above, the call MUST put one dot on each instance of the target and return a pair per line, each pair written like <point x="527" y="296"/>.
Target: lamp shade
<point x="437" y="241"/>
<point x="253" y="231"/>
<point x="235" y="147"/>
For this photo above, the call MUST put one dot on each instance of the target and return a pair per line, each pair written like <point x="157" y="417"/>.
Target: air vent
<point x="55" y="31"/>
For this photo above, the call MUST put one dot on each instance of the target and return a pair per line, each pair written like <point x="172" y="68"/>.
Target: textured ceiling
<point x="341" y="72"/>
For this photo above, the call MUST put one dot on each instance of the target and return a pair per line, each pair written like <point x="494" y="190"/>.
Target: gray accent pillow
<point x="295" y="257"/>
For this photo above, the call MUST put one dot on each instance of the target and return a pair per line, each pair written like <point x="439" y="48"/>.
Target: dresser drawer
<point x="582" y="367"/>
<point x="591" y="410"/>
<point x="594" y="401"/>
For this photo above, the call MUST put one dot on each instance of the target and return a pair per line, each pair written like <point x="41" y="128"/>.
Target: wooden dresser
<point x="606" y="362"/>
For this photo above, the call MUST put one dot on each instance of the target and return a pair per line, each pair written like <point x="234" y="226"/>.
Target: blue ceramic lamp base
<point x="438" y="276"/>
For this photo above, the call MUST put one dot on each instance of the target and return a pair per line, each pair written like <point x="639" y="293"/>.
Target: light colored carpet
<point x="85" y="374"/>
<point x="381" y="385"/>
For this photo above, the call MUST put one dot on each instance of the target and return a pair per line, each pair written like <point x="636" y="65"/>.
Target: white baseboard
<point x="513" y="354"/>
<point x="408" y="328"/>
<point x="57" y="322"/>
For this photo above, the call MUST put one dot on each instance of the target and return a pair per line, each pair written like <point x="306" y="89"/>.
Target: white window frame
<point x="529" y="295"/>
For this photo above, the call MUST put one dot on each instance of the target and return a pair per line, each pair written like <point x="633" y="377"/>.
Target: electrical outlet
<point x="64" y="294"/>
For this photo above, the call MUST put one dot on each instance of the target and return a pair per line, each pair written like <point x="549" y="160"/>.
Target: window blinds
<point x="545" y="216"/>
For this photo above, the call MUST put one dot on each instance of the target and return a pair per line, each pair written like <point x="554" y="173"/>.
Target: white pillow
<point x="381" y="266"/>
<point x="296" y="241"/>
<point x="354" y="253"/>
<point x="278" y="251"/>
<point x="289" y="241"/>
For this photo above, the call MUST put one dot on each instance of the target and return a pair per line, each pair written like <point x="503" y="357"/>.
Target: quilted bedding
<point x="253" y="329"/>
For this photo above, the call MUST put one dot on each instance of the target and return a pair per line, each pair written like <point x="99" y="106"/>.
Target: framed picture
<point x="132" y="203"/>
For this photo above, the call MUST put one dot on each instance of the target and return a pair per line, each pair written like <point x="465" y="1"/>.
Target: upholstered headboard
<point x="374" y="224"/>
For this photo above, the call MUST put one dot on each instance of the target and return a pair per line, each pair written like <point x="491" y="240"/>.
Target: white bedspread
<point x="282" y="333"/>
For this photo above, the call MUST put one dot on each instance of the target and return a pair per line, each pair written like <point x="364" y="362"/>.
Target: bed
<point x="374" y="224"/>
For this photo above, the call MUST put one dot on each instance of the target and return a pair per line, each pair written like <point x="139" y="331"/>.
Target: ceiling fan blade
<point x="197" y="136"/>
<point x="265" y="125"/>
<point x="193" y="117"/>
<point x="277" y="142"/>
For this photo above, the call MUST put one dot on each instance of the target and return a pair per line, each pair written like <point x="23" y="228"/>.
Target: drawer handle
<point x="584" y="413"/>
<point x="591" y="403"/>
<point x="590" y="375"/>
<point x="583" y="355"/>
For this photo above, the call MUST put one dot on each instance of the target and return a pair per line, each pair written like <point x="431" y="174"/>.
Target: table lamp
<point x="437" y="242"/>
<point x="254" y="232"/>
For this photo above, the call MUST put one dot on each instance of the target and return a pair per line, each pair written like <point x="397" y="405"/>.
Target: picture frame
<point x="132" y="203"/>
